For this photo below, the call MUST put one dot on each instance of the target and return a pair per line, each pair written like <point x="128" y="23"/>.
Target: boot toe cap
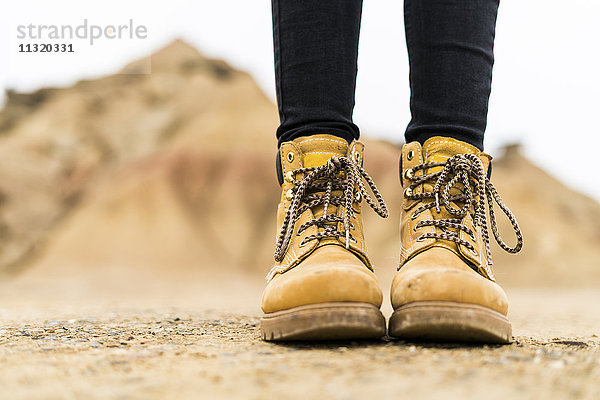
<point x="336" y="277"/>
<point x="445" y="280"/>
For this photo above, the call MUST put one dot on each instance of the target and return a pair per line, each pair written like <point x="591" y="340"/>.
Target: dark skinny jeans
<point x="450" y="47"/>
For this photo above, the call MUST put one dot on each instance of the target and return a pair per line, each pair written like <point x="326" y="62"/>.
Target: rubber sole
<point x="325" y="321"/>
<point x="450" y="321"/>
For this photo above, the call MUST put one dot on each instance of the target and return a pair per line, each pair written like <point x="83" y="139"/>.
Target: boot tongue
<point x="318" y="149"/>
<point x="440" y="149"/>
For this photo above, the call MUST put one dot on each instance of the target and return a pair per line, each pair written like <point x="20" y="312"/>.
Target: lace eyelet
<point x="407" y="192"/>
<point x="290" y="156"/>
<point x="289" y="176"/>
<point x="289" y="195"/>
<point x="357" y="156"/>
<point x="358" y="197"/>
<point x="409" y="174"/>
<point x="410" y="155"/>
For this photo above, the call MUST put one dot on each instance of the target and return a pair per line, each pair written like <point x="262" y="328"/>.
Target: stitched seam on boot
<point x="404" y="252"/>
<point x="363" y="247"/>
<point x="447" y="142"/>
<point x="331" y="153"/>
<point x="322" y="140"/>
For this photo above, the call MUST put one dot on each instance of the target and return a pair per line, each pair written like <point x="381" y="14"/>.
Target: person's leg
<point x="322" y="284"/>
<point x="450" y="46"/>
<point x="445" y="287"/>
<point x="316" y="48"/>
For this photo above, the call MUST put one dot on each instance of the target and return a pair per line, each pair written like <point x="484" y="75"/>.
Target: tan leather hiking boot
<point x="444" y="288"/>
<point x="322" y="285"/>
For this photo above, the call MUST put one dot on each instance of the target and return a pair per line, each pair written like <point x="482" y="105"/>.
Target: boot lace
<point x="317" y="187"/>
<point x="468" y="170"/>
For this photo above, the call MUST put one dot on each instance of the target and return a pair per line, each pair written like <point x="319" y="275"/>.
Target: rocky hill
<point x="173" y="172"/>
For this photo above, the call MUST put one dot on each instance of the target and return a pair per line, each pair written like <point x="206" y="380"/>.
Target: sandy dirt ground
<point x="195" y="338"/>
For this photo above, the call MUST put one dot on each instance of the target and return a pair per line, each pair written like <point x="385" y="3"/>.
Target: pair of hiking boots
<point x="322" y="285"/>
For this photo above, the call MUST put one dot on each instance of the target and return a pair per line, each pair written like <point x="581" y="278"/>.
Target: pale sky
<point x="545" y="94"/>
